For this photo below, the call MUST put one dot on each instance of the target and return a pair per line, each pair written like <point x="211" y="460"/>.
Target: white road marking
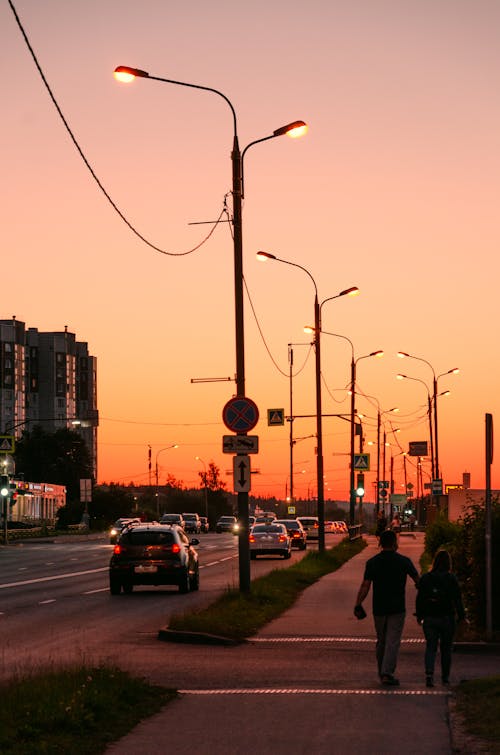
<point x="409" y="641"/>
<point x="91" y="592"/>
<point x="307" y="691"/>
<point x="51" y="579"/>
<point x="44" y="602"/>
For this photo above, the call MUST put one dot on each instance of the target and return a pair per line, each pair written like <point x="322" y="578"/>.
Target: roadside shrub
<point x="441" y="534"/>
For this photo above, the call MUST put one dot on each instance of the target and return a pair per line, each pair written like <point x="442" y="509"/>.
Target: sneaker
<point x="389" y="681"/>
<point x="429" y="681"/>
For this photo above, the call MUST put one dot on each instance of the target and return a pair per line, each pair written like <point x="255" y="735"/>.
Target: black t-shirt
<point x="388" y="571"/>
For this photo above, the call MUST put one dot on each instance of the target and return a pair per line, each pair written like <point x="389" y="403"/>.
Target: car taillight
<point x="295" y="534"/>
<point x="251" y="538"/>
<point x="316" y="525"/>
<point x="282" y="538"/>
<point x="176" y="548"/>
<point x="117" y="550"/>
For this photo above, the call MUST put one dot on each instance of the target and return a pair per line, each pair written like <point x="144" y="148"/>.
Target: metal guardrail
<point x="355" y="531"/>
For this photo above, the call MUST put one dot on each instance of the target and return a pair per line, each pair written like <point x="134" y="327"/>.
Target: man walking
<point x="387" y="571"/>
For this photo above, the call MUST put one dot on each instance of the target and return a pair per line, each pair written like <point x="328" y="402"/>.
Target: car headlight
<point x="236" y="527"/>
<point x="113" y="532"/>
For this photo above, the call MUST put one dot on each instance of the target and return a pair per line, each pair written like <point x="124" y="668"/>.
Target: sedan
<point x="311" y="526"/>
<point x="295" y="531"/>
<point x="270" y="540"/>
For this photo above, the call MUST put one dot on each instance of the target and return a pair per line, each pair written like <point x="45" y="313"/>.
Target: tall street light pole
<point x="174" y="445"/>
<point x="354" y="362"/>
<point x="435" y="379"/>
<point x="319" y="426"/>
<point x="297" y="128"/>
<point x="205" y="488"/>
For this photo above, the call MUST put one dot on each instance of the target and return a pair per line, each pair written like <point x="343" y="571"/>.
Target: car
<point x="192" y="523"/>
<point x="251" y="521"/>
<point x="116" y="529"/>
<point x="227" y="524"/>
<point x="311" y="526"/>
<point x="173" y="519"/>
<point x="270" y="540"/>
<point x="338" y="527"/>
<point x="296" y="532"/>
<point x="154" y="554"/>
<point x="265" y="519"/>
<point x="205" y="526"/>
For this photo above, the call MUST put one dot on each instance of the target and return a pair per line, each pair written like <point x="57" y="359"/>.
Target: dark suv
<point x="154" y="554"/>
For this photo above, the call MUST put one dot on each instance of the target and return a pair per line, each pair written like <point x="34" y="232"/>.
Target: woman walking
<point x="438" y="605"/>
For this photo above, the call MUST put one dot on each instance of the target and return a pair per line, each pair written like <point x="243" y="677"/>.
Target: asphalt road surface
<point x="55" y="603"/>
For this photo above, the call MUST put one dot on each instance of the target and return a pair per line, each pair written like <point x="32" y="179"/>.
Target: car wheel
<point x="184" y="584"/>
<point x="115" y="586"/>
<point x="288" y="554"/>
<point x="194" y="583"/>
<point x="128" y="587"/>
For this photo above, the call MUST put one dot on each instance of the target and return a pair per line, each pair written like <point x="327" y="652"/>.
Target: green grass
<point x="78" y="710"/>
<point x="478" y="702"/>
<point x="239" y="615"/>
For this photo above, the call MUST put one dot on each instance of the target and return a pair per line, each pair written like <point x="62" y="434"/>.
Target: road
<point x="55" y="604"/>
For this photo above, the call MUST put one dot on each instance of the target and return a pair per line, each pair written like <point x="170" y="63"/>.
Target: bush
<point x="442" y="534"/>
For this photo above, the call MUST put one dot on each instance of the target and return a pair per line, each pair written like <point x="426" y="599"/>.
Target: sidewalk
<point x="306" y="683"/>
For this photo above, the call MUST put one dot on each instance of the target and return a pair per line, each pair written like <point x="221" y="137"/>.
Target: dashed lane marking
<point x="307" y="691"/>
<point x="371" y="640"/>
<point x="45" y="602"/>
<point x="51" y="579"/>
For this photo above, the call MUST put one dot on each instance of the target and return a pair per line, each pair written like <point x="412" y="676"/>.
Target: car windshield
<point x="147" y="537"/>
<point x="268" y="528"/>
<point x="226" y="519"/>
<point x="309" y="521"/>
<point x="291" y="525"/>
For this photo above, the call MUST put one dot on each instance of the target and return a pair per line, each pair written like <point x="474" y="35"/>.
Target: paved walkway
<point x="306" y="683"/>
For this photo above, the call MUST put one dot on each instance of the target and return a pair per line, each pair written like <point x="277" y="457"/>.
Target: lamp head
<point x="293" y="130"/>
<point x="263" y="256"/>
<point x="378" y="353"/>
<point x="403" y="354"/>
<point x="353" y="291"/>
<point x="401" y="377"/>
<point x="126" y="74"/>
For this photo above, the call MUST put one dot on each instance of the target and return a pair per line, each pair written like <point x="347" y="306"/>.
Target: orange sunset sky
<point x="395" y="189"/>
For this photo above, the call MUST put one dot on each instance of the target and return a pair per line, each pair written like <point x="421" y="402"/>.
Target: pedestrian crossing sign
<point x="7" y="444"/>
<point x="275" y="416"/>
<point x="362" y="462"/>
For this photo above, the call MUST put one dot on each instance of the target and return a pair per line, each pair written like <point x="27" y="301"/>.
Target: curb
<point x="196" y="638"/>
<point x="483" y="648"/>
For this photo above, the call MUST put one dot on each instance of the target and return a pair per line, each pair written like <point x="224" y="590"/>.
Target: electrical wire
<point x="89" y="167"/>
<point x="282" y="372"/>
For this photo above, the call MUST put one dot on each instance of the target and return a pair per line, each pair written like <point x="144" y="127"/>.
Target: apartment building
<point x="47" y="378"/>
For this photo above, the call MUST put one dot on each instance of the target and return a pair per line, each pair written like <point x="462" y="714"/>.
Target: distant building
<point x="48" y="379"/>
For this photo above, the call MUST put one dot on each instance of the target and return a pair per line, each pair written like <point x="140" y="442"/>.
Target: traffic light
<point x="4" y="485"/>
<point x="360" y="486"/>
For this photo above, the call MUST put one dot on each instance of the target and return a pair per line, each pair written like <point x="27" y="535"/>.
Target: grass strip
<point x="77" y="710"/>
<point x="239" y="615"/>
<point x="478" y="702"/>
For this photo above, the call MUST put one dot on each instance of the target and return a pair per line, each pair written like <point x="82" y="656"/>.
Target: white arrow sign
<point x="241" y="474"/>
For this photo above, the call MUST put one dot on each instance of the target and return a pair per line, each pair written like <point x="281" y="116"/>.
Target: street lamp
<point x="198" y="458"/>
<point x="354" y="362"/>
<point x="453" y="371"/>
<point x="174" y="445"/>
<point x="317" y="347"/>
<point x="295" y="129"/>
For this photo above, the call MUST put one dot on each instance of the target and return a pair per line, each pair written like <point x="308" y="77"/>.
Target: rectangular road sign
<point x="7" y="444"/>
<point x="418" y="448"/>
<point x="362" y="462"/>
<point x="240" y="444"/>
<point x="241" y="474"/>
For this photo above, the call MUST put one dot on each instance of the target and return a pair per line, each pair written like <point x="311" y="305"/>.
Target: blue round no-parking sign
<point x="240" y="414"/>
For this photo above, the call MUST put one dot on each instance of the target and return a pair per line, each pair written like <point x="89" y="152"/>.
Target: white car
<point x="311" y="526"/>
<point x="270" y="540"/>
